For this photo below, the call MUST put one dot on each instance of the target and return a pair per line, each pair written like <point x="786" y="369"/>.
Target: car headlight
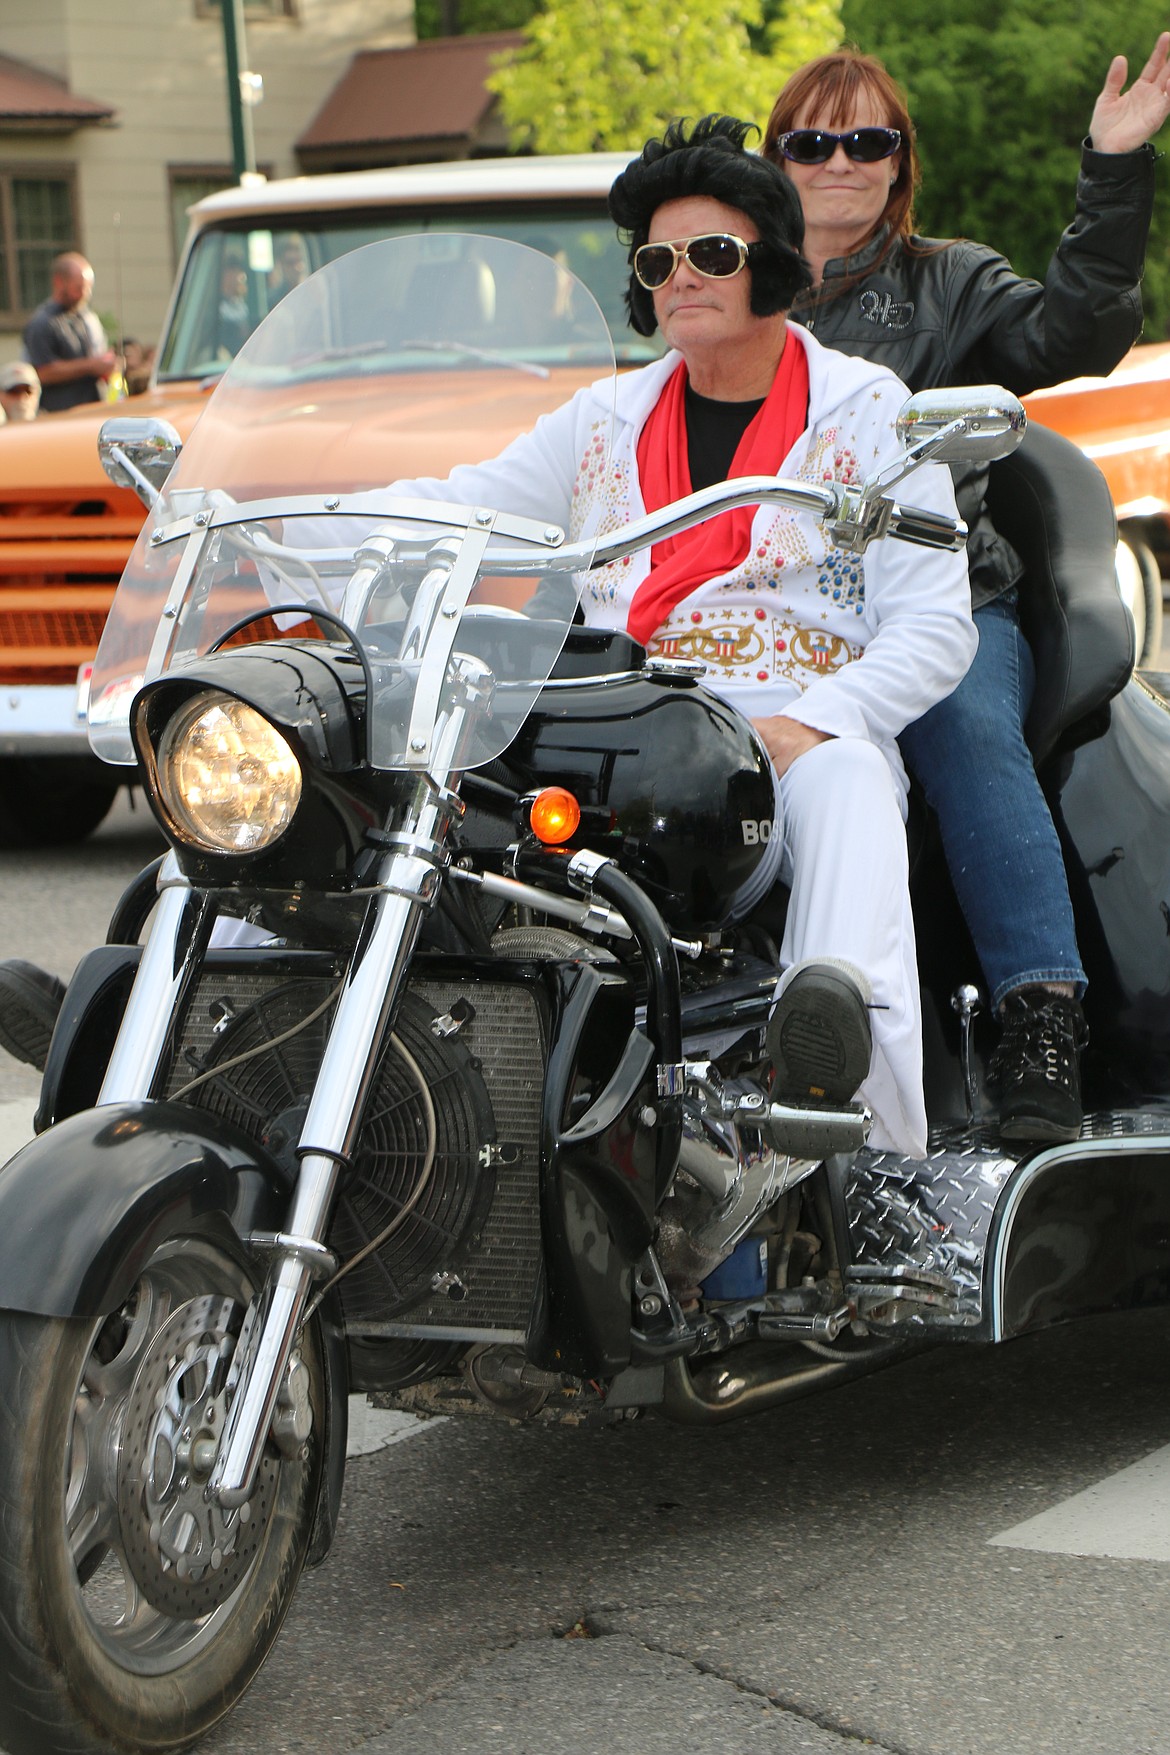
<point x="226" y="775"/>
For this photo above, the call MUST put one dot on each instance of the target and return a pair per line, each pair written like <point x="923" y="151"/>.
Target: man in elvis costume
<point x="829" y="654"/>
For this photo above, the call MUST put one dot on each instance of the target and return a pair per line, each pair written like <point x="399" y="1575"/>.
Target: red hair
<point x="829" y="88"/>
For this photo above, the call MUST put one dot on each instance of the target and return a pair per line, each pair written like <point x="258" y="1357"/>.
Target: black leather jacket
<point x="953" y="312"/>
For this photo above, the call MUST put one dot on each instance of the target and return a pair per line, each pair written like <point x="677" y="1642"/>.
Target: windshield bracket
<point x="436" y="617"/>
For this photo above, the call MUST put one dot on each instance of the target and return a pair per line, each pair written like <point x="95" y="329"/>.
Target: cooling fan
<point x="420" y="1172"/>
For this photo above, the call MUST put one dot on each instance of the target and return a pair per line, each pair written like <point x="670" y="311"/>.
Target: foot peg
<point x="801" y="1132"/>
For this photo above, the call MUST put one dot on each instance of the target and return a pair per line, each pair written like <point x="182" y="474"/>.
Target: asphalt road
<point x="819" y="1577"/>
<point x="967" y="1554"/>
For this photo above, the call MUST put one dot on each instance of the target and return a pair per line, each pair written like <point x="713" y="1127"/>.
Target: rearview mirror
<point x="139" y="452"/>
<point x="989" y="422"/>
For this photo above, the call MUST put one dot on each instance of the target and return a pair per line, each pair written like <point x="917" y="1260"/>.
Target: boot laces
<point x="1041" y="1038"/>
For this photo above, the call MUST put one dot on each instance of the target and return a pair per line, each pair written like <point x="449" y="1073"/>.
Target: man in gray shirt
<point x="64" y="340"/>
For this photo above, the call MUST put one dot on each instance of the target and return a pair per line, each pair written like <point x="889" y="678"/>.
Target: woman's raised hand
<point x="1124" y="120"/>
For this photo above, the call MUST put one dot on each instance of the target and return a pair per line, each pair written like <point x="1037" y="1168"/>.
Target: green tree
<point x="452" y="18"/>
<point x="597" y="74"/>
<point x="1001" y="92"/>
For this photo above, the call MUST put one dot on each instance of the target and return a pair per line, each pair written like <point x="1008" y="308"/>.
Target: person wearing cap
<point x="20" y="391"/>
<point x="65" y="341"/>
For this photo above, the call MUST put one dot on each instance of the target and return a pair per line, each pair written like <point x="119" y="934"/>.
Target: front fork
<point x="406" y="885"/>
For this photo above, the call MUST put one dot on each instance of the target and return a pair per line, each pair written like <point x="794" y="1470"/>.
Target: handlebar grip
<point x="927" y="529"/>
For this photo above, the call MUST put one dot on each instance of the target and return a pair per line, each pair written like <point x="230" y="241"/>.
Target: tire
<point x="1150" y="653"/>
<point x="53" y="801"/>
<point x="1140" y="583"/>
<point x="103" y="1646"/>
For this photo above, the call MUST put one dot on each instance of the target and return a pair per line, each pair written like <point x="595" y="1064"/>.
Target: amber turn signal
<point x="554" y="815"/>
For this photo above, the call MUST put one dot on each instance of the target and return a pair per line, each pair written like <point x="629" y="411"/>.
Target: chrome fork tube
<point x="171" y="955"/>
<point x="408" y="883"/>
<point x="371" y="988"/>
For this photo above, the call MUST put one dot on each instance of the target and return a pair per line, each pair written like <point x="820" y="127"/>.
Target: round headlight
<point x="226" y="775"/>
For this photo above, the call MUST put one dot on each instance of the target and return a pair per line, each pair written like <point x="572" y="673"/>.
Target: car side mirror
<point x="139" y="452"/>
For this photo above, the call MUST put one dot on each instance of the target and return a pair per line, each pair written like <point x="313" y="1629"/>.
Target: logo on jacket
<point x="886" y="311"/>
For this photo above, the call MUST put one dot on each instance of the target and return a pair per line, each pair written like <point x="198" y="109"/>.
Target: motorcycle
<point x="429" y="1062"/>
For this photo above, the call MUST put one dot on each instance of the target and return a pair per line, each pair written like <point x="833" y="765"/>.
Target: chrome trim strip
<point x="592" y="682"/>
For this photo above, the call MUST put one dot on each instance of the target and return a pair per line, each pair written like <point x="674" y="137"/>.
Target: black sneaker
<point x="30" y="999"/>
<point x="818" y="1035"/>
<point x="1036" y="1067"/>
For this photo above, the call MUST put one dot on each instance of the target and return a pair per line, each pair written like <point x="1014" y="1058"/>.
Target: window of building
<point x="190" y="183"/>
<point x="38" y="219"/>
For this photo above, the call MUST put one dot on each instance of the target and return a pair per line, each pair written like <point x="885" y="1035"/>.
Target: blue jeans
<point x="969" y="756"/>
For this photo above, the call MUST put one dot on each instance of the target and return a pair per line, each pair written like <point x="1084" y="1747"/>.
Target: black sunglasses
<point x="714" y="255"/>
<point x="816" y="146"/>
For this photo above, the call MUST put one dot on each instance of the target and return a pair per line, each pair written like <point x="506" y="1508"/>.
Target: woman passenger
<point x="952" y="312"/>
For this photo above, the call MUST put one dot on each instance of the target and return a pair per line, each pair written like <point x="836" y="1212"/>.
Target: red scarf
<point x="679" y="564"/>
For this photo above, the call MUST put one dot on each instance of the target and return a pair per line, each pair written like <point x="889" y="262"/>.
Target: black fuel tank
<point x="672" y="781"/>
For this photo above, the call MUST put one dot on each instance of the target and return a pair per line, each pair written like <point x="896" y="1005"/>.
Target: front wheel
<point x="133" y="1614"/>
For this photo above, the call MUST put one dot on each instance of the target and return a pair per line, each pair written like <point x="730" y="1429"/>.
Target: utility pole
<point x="239" y="104"/>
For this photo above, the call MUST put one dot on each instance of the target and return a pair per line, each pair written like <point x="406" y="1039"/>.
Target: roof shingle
<point x="429" y="91"/>
<point x="29" y="95"/>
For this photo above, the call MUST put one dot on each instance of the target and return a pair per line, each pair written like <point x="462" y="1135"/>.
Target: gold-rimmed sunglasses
<point x="714" y="255"/>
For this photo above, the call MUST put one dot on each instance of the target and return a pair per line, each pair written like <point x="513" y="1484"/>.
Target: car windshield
<point x="237" y="273"/>
<point x="300" y="507"/>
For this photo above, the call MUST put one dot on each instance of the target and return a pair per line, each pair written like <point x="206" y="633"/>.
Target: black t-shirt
<point x="714" y="430"/>
<point x="54" y="333"/>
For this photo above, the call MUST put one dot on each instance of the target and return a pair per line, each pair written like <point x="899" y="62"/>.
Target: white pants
<point x="842" y="849"/>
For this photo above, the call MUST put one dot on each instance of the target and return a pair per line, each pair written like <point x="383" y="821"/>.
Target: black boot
<point x="1036" y="1068"/>
<point x="818" y="1035"/>
<point x="30" y="999"/>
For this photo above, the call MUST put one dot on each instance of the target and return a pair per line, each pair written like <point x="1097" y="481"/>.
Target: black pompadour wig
<point x="711" y="159"/>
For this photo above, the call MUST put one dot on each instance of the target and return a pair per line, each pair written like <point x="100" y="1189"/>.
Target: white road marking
<point x="370" y="1429"/>
<point x="1124" y="1517"/>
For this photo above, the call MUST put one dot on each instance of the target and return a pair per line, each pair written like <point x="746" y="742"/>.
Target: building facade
<point x="114" y="118"/>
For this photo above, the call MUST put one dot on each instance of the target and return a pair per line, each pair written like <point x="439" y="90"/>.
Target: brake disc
<point x="186" y="1552"/>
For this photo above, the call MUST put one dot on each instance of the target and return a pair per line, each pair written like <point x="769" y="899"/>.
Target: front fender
<point x="85" y="1204"/>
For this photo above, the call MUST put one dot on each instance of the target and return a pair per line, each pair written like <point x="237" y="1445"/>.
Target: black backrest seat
<point x="1053" y="505"/>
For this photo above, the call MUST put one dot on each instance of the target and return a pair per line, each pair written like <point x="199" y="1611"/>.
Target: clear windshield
<point x="238" y="271"/>
<point x="299" y="491"/>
